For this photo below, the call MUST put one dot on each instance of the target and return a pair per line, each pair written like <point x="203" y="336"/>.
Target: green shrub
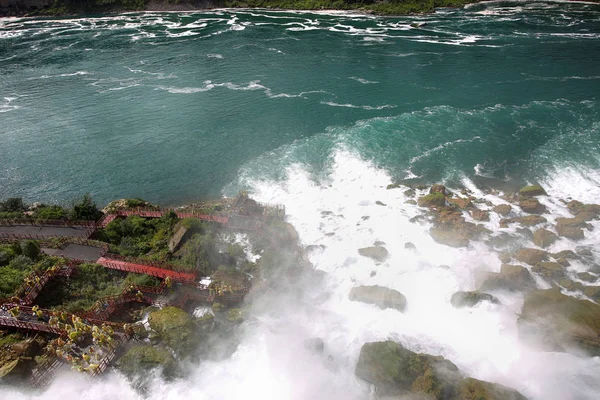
<point x="31" y="249"/>
<point x="13" y="204"/>
<point x="85" y="209"/>
<point x="50" y="212"/>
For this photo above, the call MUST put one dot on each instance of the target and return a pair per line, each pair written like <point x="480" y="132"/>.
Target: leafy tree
<point x="30" y="249"/>
<point x="13" y="204"/>
<point x="4" y="258"/>
<point x="50" y="212"/>
<point x="85" y="209"/>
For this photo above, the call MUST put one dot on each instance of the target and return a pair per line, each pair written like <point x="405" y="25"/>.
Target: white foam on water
<point x="482" y="341"/>
<point x="347" y="105"/>
<point x="363" y="80"/>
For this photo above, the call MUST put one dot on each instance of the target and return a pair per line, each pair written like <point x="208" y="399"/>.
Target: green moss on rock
<point x="532" y="190"/>
<point x="474" y="389"/>
<point x="397" y="371"/>
<point x="432" y="200"/>
<point x="141" y="359"/>
<point x="470" y="299"/>
<point x="176" y="328"/>
<point x="380" y="296"/>
<point x="560" y="321"/>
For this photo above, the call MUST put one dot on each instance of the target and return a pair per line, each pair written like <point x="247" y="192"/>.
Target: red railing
<point x="147" y="267"/>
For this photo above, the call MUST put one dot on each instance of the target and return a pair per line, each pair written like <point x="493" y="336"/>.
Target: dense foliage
<point x="377" y="6"/>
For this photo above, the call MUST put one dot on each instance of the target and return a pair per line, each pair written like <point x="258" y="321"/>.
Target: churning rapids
<point x="320" y="112"/>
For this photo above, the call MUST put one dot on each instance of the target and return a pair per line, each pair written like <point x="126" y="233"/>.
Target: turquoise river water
<point x="320" y="111"/>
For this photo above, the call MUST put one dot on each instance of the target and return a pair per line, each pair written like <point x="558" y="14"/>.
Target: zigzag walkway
<point x="35" y="282"/>
<point x="151" y="213"/>
<point x="234" y="221"/>
<point x="163" y="271"/>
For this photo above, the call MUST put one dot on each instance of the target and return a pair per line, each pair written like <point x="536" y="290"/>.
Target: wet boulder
<point x="474" y="389"/>
<point x="432" y="200"/>
<point x="438" y="189"/>
<point x="544" y="238"/>
<point x="380" y="296"/>
<point x="397" y="371"/>
<point x="141" y="359"/>
<point x="511" y="277"/>
<point x="568" y="232"/>
<point x="577" y="207"/>
<point x="377" y="253"/>
<point x="549" y="269"/>
<point x="502" y="209"/>
<point x="480" y="215"/>
<point x="531" y="256"/>
<point x="568" y="254"/>
<point x="460" y="202"/>
<point x="532" y="206"/>
<point x="575" y="222"/>
<point x="176" y="328"/>
<point x="470" y="299"/>
<point x="529" y="220"/>
<point x="449" y="237"/>
<point x="532" y="190"/>
<point x="558" y="321"/>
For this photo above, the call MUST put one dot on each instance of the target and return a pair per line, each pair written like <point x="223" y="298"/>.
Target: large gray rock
<point x="141" y="359"/>
<point x="380" y="296"/>
<point x="558" y="321"/>
<point x="377" y="253"/>
<point x="176" y="328"/>
<point x="511" y="277"/>
<point x="570" y="232"/>
<point x="533" y="190"/>
<point x="449" y="237"/>
<point x="470" y="299"/>
<point x="544" y="237"/>
<point x="397" y="371"/>
<point x="531" y="256"/>
<point x="532" y="206"/>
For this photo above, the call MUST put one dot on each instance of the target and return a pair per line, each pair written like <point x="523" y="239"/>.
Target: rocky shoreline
<point x="40" y="8"/>
<point x="535" y="242"/>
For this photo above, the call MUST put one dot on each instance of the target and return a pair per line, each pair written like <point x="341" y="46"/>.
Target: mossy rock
<point x="560" y="320"/>
<point x="502" y="209"/>
<point x="218" y="307"/>
<point x="532" y="190"/>
<point x="176" y="328"/>
<point x="549" y="269"/>
<point x="532" y="206"/>
<point x="380" y="296"/>
<point x="377" y="253"/>
<point x="470" y="299"/>
<point x="474" y="389"/>
<point x="235" y="315"/>
<point x="449" y="237"/>
<point x="437" y="188"/>
<point x="432" y="200"/>
<point x="531" y="256"/>
<point x="141" y="359"/>
<point x="511" y="277"/>
<point x="569" y="232"/>
<point x="395" y="370"/>
<point x="544" y="238"/>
